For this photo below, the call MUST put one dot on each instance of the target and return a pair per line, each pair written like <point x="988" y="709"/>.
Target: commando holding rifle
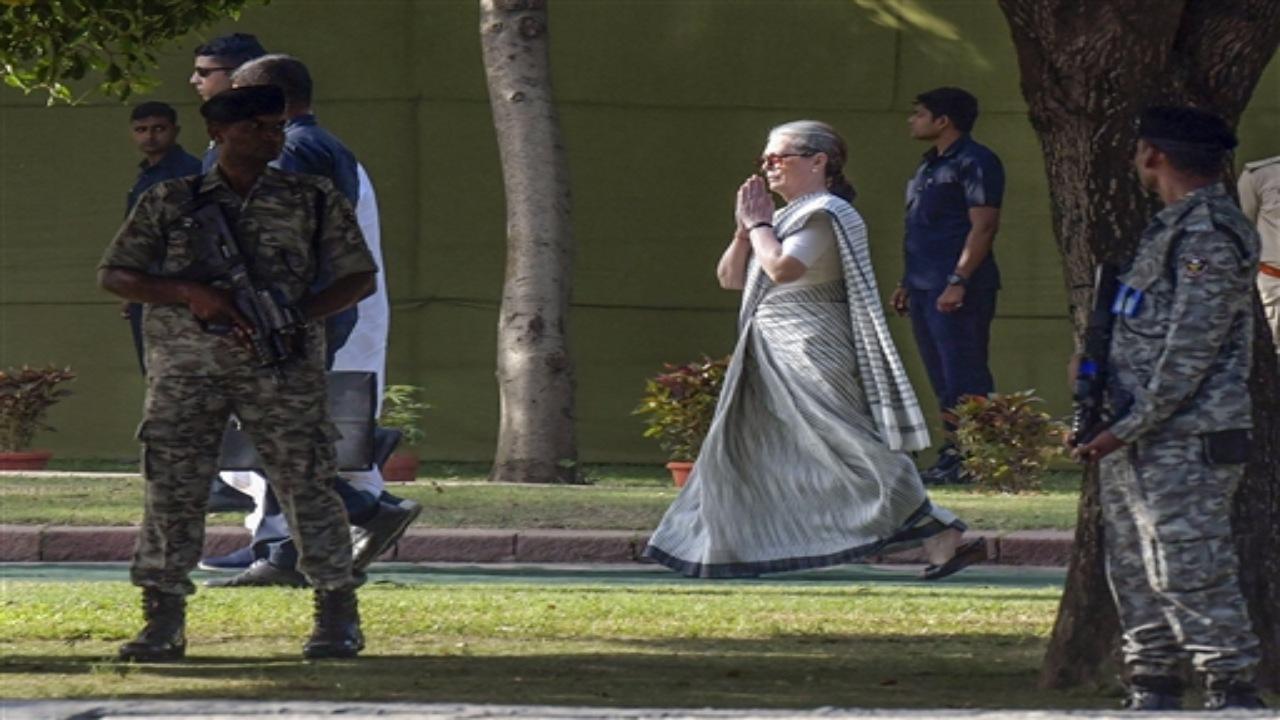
<point x="289" y="243"/>
<point x="1171" y="452"/>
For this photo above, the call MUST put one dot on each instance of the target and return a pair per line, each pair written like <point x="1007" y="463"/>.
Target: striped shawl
<point x="893" y="402"/>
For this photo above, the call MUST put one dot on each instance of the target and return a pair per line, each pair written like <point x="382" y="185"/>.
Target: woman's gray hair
<point x="814" y="136"/>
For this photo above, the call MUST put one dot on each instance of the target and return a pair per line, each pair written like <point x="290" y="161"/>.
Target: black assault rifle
<point x="279" y="331"/>
<point x="1089" y="416"/>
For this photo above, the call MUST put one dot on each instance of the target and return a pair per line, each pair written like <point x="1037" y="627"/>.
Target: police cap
<point x="243" y="103"/>
<point x="1185" y="126"/>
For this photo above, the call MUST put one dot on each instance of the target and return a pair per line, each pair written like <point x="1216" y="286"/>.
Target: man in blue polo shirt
<point x="309" y="149"/>
<point x="154" y="128"/>
<point x="951" y="279"/>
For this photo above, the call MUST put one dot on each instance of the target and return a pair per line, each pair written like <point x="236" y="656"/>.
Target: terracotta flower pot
<point x="400" y="467"/>
<point x="25" y="460"/>
<point x="680" y="471"/>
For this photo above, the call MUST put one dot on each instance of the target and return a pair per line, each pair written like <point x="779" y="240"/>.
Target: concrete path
<point x="583" y="574"/>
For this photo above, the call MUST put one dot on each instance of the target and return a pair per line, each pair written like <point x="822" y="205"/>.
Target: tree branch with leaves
<point x="51" y="45"/>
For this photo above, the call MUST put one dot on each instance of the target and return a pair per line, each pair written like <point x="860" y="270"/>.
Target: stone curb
<point x="62" y="543"/>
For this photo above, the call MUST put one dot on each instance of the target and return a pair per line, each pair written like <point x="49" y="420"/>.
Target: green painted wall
<point x="664" y="103"/>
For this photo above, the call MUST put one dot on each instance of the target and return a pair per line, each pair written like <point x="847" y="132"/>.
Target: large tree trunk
<point x="1088" y="69"/>
<point x="535" y="371"/>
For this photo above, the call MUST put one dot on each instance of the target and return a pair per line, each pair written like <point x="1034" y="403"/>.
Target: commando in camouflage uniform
<point x="1179" y="366"/>
<point x="289" y="227"/>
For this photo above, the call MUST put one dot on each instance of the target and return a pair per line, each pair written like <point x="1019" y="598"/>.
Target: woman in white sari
<point x="806" y="461"/>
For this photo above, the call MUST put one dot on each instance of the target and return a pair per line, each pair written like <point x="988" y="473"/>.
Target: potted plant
<point x="1007" y="443"/>
<point x="401" y="410"/>
<point x="680" y="403"/>
<point x="25" y="396"/>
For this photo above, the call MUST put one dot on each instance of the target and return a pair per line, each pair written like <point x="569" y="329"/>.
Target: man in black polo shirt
<point x="154" y="129"/>
<point x="951" y="279"/>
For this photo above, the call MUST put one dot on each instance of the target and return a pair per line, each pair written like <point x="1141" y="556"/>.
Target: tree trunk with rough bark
<point x="536" y="441"/>
<point x="1087" y="70"/>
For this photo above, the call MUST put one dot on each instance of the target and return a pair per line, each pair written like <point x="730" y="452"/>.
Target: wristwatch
<point x="957" y="279"/>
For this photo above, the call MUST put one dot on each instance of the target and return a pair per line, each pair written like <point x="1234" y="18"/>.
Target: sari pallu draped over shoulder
<point x="893" y="402"/>
<point x="804" y="465"/>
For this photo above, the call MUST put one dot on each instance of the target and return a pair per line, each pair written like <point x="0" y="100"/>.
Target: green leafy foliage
<point x="680" y="403"/>
<point x="45" y="45"/>
<point x="401" y="409"/>
<point x="1006" y="441"/>
<point x="25" y="396"/>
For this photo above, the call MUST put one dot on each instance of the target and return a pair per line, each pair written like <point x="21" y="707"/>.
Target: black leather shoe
<point x="224" y="498"/>
<point x="1153" y="692"/>
<point x="262" y="574"/>
<point x="336" y="633"/>
<point x="953" y="474"/>
<point x="163" y="639"/>
<point x="1233" y="695"/>
<point x="1140" y="699"/>
<point x="371" y="540"/>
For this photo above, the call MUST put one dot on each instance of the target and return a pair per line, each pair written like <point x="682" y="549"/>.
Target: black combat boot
<point x="1153" y="692"/>
<point x="1232" y="694"/>
<point x="336" y="633"/>
<point x="163" y="639"/>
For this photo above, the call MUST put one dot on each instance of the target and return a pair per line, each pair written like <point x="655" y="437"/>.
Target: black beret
<point x="243" y="103"/>
<point x="1185" y="126"/>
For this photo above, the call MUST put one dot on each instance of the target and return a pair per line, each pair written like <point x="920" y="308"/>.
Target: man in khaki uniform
<point x="287" y="226"/>
<point x="1259" y="188"/>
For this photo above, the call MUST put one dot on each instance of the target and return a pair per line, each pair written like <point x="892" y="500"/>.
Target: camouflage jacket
<point x="1183" y="335"/>
<point x="289" y="227"/>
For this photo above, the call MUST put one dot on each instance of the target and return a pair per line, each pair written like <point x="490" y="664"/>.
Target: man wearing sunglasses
<point x="215" y="61"/>
<point x="218" y="58"/>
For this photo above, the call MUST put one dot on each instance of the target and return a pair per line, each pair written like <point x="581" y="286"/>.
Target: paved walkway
<point x="208" y="710"/>
<point x="400" y="573"/>
<point x="64" y="543"/>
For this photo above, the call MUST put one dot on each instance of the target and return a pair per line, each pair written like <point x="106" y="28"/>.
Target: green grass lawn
<point x="680" y="644"/>
<point x="456" y="496"/>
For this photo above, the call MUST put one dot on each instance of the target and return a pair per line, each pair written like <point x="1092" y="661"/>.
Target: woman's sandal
<point x="966" y="555"/>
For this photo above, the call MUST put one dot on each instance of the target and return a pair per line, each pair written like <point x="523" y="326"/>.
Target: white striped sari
<point x="804" y="465"/>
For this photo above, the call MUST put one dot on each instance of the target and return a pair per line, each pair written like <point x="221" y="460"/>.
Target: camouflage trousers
<point x="181" y="434"/>
<point x="1171" y="562"/>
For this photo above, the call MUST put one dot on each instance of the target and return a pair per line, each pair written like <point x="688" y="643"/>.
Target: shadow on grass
<point x="783" y="672"/>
